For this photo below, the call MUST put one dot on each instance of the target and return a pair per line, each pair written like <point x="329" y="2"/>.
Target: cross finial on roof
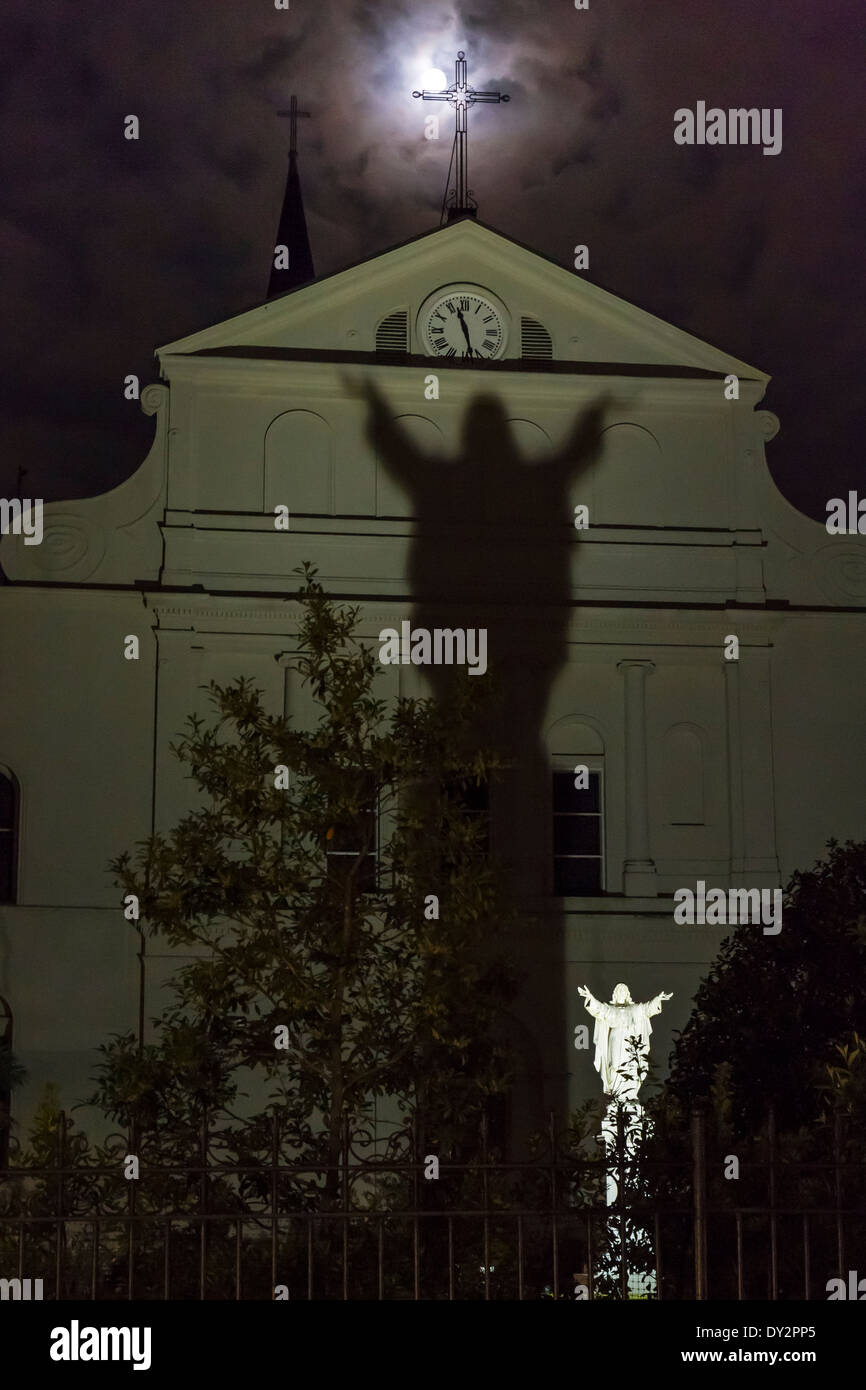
<point x="293" y="113"/>
<point x="461" y="98"/>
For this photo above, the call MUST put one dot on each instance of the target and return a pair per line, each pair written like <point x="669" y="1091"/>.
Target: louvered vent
<point x="392" y="335"/>
<point x="535" y="341"/>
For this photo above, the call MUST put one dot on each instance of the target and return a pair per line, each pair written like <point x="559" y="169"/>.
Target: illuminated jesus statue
<point x="621" y="1067"/>
<point x="622" y="1043"/>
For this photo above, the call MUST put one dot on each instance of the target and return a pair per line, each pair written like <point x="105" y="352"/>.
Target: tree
<point x="773" y="1007"/>
<point x="12" y="1074"/>
<point x="324" y="975"/>
<point x="773" y="1056"/>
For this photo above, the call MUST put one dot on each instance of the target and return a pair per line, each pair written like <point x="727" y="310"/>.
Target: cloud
<point x="113" y="247"/>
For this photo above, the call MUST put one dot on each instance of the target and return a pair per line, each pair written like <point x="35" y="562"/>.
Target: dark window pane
<point x="567" y="797"/>
<point x="341" y="865"/>
<point x="8" y="848"/>
<point x="573" y="878"/>
<point x="474" y="800"/>
<point x="351" y="837"/>
<point x="577" y="835"/>
<point x="7" y="866"/>
<point x="367" y="874"/>
<point x="7" y="803"/>
<point x="474" y="796"/>
<point x="498" y="1109"/>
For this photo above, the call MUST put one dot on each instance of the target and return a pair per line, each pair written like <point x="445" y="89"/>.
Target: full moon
<point x="433" y="80"/>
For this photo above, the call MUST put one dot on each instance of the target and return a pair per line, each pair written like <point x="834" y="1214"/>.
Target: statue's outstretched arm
<point x="655" y="1005"/>
<point x="594" y="1006"/>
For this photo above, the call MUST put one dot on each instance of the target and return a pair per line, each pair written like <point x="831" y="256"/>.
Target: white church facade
<point x="727" y="762"/>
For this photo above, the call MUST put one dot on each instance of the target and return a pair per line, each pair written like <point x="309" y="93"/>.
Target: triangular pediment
<point x="340" y="312"/>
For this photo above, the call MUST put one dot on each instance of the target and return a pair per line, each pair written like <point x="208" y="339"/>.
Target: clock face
<point x="462" y="323"/>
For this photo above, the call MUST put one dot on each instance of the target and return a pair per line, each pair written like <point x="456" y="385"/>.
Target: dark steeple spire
<point x="292" y="260"/>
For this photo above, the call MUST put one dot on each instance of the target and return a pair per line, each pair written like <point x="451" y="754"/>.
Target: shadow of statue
<point x="495" y="547"/>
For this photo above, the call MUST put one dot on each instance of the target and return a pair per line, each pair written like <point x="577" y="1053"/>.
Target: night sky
<point x="112" y="247"/>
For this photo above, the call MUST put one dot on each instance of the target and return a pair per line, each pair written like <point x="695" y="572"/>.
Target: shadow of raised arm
<point x="389" y="440"/>
<point x="582" y="445"/>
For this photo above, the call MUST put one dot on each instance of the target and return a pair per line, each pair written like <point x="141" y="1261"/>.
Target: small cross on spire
<point x="293" y="113"/>
<point x="461" y="98"/>
<point x="293" y="243"/>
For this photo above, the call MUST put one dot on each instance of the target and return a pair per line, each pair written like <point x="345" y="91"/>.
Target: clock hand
<point x="465" y="331"/>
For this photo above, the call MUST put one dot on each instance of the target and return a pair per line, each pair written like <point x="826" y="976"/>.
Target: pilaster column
<point x="754" y="860"/>
<point x="735" y="770"/>
<point x="639" y="876"/>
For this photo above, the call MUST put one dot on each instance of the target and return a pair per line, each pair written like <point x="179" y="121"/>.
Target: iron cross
<point x="293" y="113"/>
<point x="461" y="98"/>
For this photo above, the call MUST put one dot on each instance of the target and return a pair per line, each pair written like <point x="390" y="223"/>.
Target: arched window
<point x="299" y="464"/>
<point x="392" y="497"/>
<point x="8" y="835"/>
<point x="530" y="440"/>
<point x="627" y="476"/>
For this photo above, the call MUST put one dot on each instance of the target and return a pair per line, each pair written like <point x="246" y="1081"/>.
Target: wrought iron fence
<point x="368" y="1228"/>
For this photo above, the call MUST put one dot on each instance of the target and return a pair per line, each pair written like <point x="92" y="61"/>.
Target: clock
<point x="462" y="321"/>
